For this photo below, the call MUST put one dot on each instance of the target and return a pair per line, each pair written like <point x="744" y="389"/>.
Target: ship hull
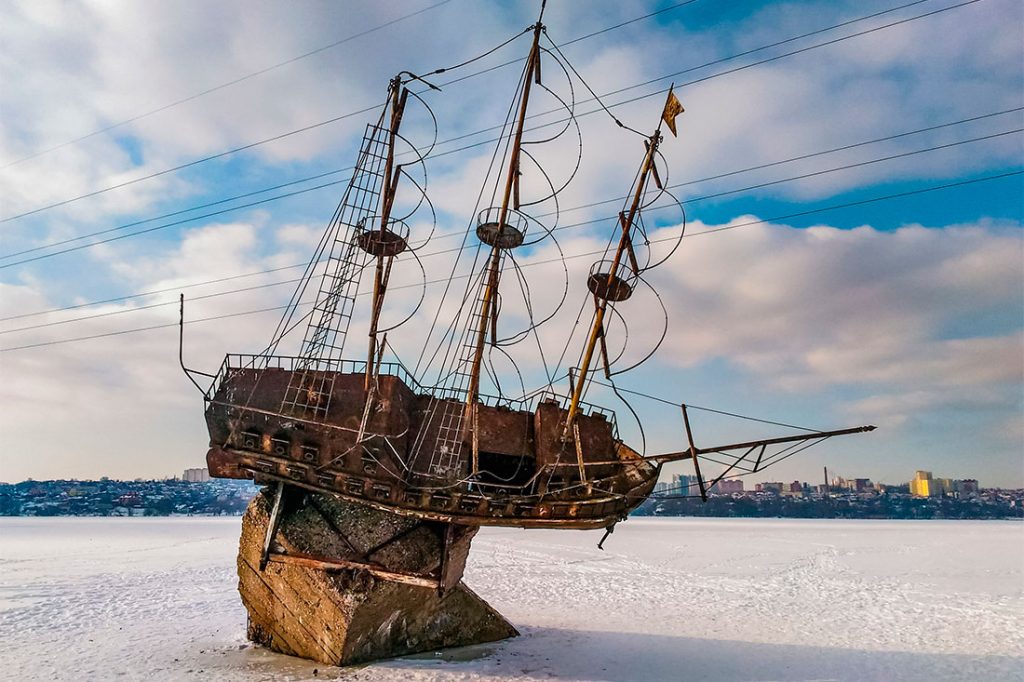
<point x="520" y="473"/>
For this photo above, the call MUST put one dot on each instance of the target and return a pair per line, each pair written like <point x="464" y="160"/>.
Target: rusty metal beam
<point x="310" y="561"/>
<point x="693" y="456"/>
<point x="687" y="454"/>
<point x="390" y="188"/>
<point x="579" y="452"/>
<point x="757" y="464"/>
<point x="735" y="464"/>
<point x="625" y="244"/>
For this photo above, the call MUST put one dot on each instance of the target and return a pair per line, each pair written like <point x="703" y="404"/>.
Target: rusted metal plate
<point x="504" y="431"/>
<point x="597" y="442"/>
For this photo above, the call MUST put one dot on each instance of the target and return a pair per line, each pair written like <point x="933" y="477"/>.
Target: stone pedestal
<point x="344" y="584"/>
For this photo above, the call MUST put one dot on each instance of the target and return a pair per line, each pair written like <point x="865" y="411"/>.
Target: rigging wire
<point x="462" y="246"/>
<point x="746" y="472"/>
<point x="374" y="107"/>
<point x="478" y="57"/>
<point x="675" y="403"/>
<point x="723" y="228"/>
<point x="591" y="90"/>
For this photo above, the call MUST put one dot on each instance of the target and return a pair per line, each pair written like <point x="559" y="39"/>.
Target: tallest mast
<point x="495" y="230"/>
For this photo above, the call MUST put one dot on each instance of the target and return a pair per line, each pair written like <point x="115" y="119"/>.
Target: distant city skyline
<point x="201" y="474"/>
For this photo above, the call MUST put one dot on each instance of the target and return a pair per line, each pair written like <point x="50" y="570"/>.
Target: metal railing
<point x="239" y="361"/>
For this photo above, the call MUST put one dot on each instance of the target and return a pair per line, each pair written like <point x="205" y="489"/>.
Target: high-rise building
<point x="967" y="486"/>
<point x="923" y="485"/>
<point x="731" y="486"/>
<point x="684" y="485"/>
<point x="727" y="486"/>
<point x="196" y="475"/>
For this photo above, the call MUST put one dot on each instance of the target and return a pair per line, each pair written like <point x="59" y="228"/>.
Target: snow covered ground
<point x="669" y="599"/>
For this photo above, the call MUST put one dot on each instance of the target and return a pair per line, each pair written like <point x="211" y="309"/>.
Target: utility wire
<point x="675" y="403"/>
<point x="153" y="305"/>
<point x="810" y="155"/>
<point x="318" y="50"/>
<point x="197" y="207"/>
<point x="289" y="267"/>
<point x="633" y="21"/>
<point x="772" y="59"/>
<point x="166" y="225"/>
<point x="260" y="142"/>
<point x="532" y="116"/>
<point x="823" y="209"/>
<point x="182" y="211"/>
<point x="235" y="81"/>
<point x="142" y="294"/>
<point x="592" y="204"/>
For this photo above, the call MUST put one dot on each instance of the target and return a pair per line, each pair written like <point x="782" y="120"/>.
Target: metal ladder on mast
<point x="310" y="387"/>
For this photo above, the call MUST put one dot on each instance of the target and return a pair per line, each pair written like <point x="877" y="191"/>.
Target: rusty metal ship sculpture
<point x="373" y="432"/>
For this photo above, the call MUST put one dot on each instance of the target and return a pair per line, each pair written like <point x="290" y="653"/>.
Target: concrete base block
<point x="347" y="584"/>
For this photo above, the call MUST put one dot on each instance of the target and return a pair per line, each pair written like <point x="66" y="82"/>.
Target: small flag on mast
<point x="672" y="109"/>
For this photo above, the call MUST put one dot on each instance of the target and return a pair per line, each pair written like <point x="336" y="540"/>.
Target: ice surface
<point x="669" y="599"/>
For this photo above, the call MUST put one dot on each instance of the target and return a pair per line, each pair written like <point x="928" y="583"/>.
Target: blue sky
<point x="906" y="312"/>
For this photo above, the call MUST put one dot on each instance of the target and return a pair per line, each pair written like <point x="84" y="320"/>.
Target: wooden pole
<point x="493" y="267"/>
<point x="389" y="188"/>
<point x="624" y="242"/>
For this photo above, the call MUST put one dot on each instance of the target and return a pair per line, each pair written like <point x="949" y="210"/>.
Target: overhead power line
<point x="227" y="84"/>
<point x="319" y="176"/>
<point x="311" y="53"/>
<point x="724" y="228"/>
<point x="460" y="232"/>
<point x="269" y="199"/>
<point x="274" y="138"/>
<point x="141" y="294"/>
<point x="329" y="184"/>
<point x="532" y="116"/>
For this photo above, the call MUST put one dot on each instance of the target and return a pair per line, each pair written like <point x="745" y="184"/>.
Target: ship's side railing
<point x="457" y="394"/>
<point x="235" y="361"/>
<point x="583" y="408"/>
<point x="529" y="404"/>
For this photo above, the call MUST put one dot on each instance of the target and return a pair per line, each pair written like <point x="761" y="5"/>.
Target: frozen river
<point x="669" y="599"/>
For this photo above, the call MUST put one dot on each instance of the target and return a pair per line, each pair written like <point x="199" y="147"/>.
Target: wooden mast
<point x="511" y="181"/>
<point x="399" y="95"/>
<point x="625" y="243"/>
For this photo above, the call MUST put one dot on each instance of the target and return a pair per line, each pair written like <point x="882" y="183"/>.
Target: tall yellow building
<point x="924" y="485"/>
